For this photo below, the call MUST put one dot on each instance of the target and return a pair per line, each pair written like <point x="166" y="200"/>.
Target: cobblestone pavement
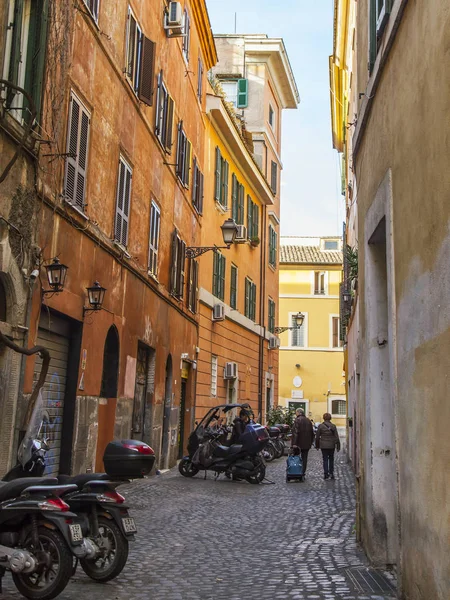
<point x="205" y="540"/>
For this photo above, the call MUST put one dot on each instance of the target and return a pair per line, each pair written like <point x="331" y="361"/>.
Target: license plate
<point x="129" y="525"/>
<point x="76" y="533"/>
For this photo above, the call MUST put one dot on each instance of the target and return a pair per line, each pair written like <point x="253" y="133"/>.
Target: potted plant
<point x="254" y="241"/>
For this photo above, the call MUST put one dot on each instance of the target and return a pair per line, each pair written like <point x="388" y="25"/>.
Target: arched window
<point x="110" y="376"/>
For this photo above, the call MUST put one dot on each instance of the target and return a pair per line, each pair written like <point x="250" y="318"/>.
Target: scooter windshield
<point x="24" y="453"/>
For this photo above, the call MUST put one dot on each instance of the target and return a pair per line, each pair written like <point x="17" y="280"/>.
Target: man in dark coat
<point x="302" y="435"/>
<point x="327" y="439"/>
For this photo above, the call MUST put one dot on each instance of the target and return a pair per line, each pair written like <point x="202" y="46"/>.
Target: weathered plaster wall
<point x="408" y="132"/>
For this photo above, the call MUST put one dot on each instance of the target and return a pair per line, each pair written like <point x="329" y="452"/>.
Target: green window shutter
<point x="215" y="273"/>
<point x="233" y="287"/>
<point x="15" y="49"/>
<point x="249" y="217"/>
<point x="240" y="220"/>
<point x="242" y="95"/>
<point x="255" y="221"/>
<point x="217" y="183"/>
<point x="225" y="172"/>
<point x="222" y="276"/>
<point x="247" y="297"/>
<point x="253" y="302"/>
<point x="35" y="60"/>
<point x="234" y="198"/>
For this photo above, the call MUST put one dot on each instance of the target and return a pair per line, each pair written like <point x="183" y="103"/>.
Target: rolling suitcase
<point x="294" y="467"/>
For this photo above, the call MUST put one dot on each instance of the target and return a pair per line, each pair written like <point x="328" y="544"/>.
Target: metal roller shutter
<point x="53" y="393"/>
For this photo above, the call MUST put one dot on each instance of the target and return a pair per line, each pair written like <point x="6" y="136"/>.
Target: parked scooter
<point x="275" y="440"/>
<point x="238" y="461"/>
<point x="38" y="536"/>
<point x="102" y="511"/>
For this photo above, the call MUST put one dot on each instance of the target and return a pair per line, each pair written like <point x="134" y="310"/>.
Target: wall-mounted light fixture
<point x="229" y="231"/>
<point x="298" y="320"/>
<point x="56" y="276"/>
<point x="96" y="295"/>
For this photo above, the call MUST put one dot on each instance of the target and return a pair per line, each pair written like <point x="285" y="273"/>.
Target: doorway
<point x="108" y="394"/>
<point x="143" y="391"/>
<point x="167" y="413"/>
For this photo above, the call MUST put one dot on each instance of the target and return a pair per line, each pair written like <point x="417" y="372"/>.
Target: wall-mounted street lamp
<point x="298" y="319"/>
<point x="229" y="231"/>
<point x="346" y="296"/>
<point x="96" y="295"/>
<point x="56" y="276"/>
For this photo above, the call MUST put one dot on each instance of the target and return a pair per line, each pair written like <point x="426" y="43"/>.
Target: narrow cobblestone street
<point x="205" y="540"/>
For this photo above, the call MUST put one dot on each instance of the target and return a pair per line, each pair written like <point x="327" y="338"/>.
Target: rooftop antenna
<point x="235" y="22"/>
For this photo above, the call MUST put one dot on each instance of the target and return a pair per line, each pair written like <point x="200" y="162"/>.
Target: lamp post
<point x="96" y="295"/>
<point x="298" y="319"/>
<point x="56" y="276"/>
<point x="229" y="231"/>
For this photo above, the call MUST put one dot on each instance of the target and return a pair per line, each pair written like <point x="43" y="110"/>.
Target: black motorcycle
<point x="38" y="536"/>
<point x="208" y="452"/>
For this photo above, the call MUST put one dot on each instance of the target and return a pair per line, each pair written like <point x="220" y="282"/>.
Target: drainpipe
<point x="262" y="312"/>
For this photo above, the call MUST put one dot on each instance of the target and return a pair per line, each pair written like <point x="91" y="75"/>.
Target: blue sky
<point x="311" y="203"/>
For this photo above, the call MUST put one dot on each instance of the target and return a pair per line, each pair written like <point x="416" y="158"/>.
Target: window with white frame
<point x="123" y="199"/>
<point x="155" y="225"/>
<point x="337" y="406"/>
<point x="164" y="115"/>
<point x="298" y="337"/>
<point x="335" y="332"/>
<point x="331" y="245"/>
<point x="187" y="35"/>
<point x="320" y="283"/>
<point x="214" y="368"/>
<point x="93" y="5"/>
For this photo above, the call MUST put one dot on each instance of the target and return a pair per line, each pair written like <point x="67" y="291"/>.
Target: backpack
<point x="294" y="466"/>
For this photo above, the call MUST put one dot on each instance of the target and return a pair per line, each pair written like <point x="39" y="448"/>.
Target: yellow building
<point x="311" y="357"/>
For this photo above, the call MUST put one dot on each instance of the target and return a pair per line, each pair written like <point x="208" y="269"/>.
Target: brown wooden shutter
<point x="187" y="166"/>
<point x="82" y="160"/>
<point x="72" y="149"/>
<point x="169" y="125"/>
<point x="200" y="192"/>
<point x="147" y="71"/>
<point x="173" y="266"/>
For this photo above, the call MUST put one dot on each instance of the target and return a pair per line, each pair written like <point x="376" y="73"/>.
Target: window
<point x="221" y="180"/>
<point x="250" y="299"/>
<point x="197" y="188"/>
<point x="155" y="225"/>
<point x="335" y="332"/>
<point x="214" y="369"/>
<point x="187" y="35"/>
<point x="252" y="219"/>
<point x="177" y="266"/>
<point x="164" y="115"/>
<point x="298" y="335"/>
<point x="331" y="245"/>
<point x="25" y="46"/>
<point x="271" y="316"/>
<point x="93" y="8"/>
<point x="236" y="92"/>
<point x="192" y="291"/>
<point x="271" y="117"/>
<point x="140" y="60"/>
<point x="274" y="176"/>
<point x="237" y="200"/>
<point x="338" y="407"/>
<point x="233" y="286"/>
<point x="379" y="15"/>
<point x="219" y="266"/>
<point x="273" y="246"/>
<point x="123" y="203"/>
<point x="200" y="79"/>
<point x="319" y="283"/>
<point x="184" y="149"/>
<point x="77" y="153"/>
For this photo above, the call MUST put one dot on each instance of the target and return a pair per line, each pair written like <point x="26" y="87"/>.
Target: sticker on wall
<point x="297" y="381"/>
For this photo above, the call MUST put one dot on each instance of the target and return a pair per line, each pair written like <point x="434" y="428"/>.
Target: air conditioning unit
<point x="241" y="235"/>
<point x="218" y="312"/>
<point x="230" y="371"/>
<point x="274" y="343"/>
<point x="174" y="16"/>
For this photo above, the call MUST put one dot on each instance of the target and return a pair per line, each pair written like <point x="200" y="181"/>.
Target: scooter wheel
<point x="270" y="453"/>
<point x="257" y="476"/>
<point x="114" y="553"/>
<point x="56" y="570"/>
<point x="187" y="468"/>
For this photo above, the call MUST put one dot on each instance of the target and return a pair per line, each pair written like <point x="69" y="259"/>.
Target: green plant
<point x="279" y="415"/>
<point x="255" y="241"/>
<point x="352" y="259"/>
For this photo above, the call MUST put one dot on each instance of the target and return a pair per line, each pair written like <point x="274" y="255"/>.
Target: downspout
<point x="262" y="312"/>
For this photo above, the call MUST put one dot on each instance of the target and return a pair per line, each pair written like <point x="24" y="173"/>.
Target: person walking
<point x="302" y="436"/>
<point x="327" y="439"/>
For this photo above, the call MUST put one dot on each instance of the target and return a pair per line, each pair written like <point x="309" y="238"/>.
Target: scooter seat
<point x="81" y="480"/>
<point x="12" y="489"/>
<point x="222" y="451"/>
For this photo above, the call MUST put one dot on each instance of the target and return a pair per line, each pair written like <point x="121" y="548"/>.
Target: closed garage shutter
<point x="53" y="393"/>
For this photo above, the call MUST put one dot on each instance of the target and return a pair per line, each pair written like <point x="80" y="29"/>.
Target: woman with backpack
<point x="327" y="439"/>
